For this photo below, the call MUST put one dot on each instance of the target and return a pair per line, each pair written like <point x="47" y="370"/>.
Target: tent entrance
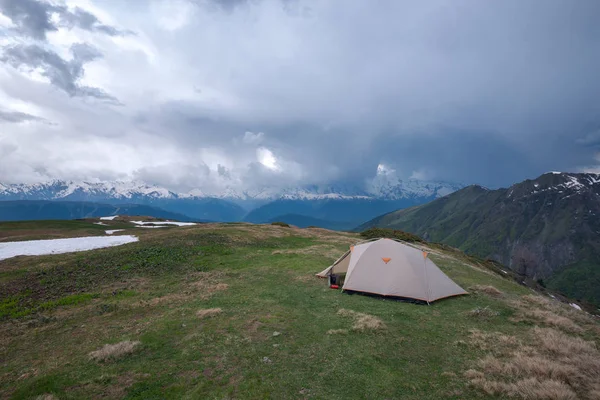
<point x="337" y="279"/>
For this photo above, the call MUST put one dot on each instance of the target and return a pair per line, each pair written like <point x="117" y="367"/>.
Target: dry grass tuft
<point x="553" y="366"/>
<point x="482" y="313"/>
<point x="362" y="322"/>
<point x="557" y="342"/>
<point x="553" y="319"/>
<point x="529" y="388"/>
<point x="552" y="313"/>
<point x="46" y="396"/>
<point x="486" y="289"/>
<point x="449" y="374"/>
<point x="337" y="331"/>
<point x="473" y="374"/>
<point x="208" y="284"/>
<point x="114" y="351"/>
<point x="208" y="312"/>
<point x="495" y="341"/>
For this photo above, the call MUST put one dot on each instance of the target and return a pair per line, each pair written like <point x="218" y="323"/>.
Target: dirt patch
<point x="208" y="312"/>
<point x="363" y="322"/>
<point x="114" y="351"/>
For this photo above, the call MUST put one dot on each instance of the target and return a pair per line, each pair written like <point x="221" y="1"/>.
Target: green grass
<point x="65" y="306"/>
<point x="69" y="300"/>
<point x="53" y="229"/>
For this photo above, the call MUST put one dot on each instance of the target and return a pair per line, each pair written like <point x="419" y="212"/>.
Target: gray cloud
<point x="461" y="91"/>
<point x="61" y="73"/>
<point x="17" y="117"/>
<point x="33" y="18"/>
<point x="591" y="139"/>
<point x="84" y="20"/>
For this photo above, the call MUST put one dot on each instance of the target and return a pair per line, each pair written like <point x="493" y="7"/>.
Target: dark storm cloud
<point x="17" y="117"/>
<point x="61" y="73"/>
<point x="468" y="91"/>
<point x="33" y="18"/>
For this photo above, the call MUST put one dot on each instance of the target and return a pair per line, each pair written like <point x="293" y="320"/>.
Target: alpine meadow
<point x="299" y="199"/>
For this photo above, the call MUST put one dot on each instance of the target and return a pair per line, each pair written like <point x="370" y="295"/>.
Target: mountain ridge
<point x="545" y="228"/>
<point x="231" y="205"/>
<point x="389" y="189"/>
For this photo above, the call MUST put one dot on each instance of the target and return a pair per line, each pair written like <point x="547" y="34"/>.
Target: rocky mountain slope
<point x="546" y="228"/>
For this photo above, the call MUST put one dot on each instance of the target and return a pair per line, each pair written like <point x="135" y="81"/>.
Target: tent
<point x="389" y="267"/>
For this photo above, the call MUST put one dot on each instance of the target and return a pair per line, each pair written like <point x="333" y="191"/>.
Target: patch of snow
<point x="58" y="246"/>
<point x="163" y="223"/>
<point x="99" y="223"/>
<point x="109" y="218"/>
<point x="575" y="306"/>
<point x="551" y="295"/>
<point x="151" y="226"/>
<point x="111" y="231"/>
<point x="504" y="272"/>
<point x="555" y="172"/>
<point x="574" y="183"/>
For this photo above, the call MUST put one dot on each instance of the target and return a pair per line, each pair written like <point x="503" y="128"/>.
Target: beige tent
<point x="390" y="268"/>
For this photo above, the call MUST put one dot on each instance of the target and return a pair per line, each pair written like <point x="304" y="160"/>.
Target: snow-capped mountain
<point x="383" y="193"/>
<point x="117" y="190"/>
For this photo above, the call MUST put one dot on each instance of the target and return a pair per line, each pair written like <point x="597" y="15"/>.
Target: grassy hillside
<point x="235" y="311"/>
<point x="545" y="228"/>
<point x="303" y="221"/>
<point x="21" y="210"/>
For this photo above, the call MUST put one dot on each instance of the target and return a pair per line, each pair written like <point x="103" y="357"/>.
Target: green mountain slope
<point x="303" y="221"/>
<point x="26" y="210"/>
<point x="546" y="228"/>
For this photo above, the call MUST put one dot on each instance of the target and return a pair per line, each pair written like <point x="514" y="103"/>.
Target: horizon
<point x="217" y="94"/>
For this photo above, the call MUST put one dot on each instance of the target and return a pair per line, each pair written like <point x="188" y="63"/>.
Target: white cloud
<point x="266" y="158"/>
<point x="172" y="15"/>
<point x="420" y="175"/>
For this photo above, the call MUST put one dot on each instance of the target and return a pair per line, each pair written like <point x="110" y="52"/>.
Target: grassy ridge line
<point x="280" y="332"/>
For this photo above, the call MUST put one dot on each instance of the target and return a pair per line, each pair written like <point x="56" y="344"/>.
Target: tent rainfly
<point x="390" y="268"/>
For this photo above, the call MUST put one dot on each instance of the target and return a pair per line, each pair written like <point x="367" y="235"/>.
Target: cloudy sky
<point x="211" y="93"/>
